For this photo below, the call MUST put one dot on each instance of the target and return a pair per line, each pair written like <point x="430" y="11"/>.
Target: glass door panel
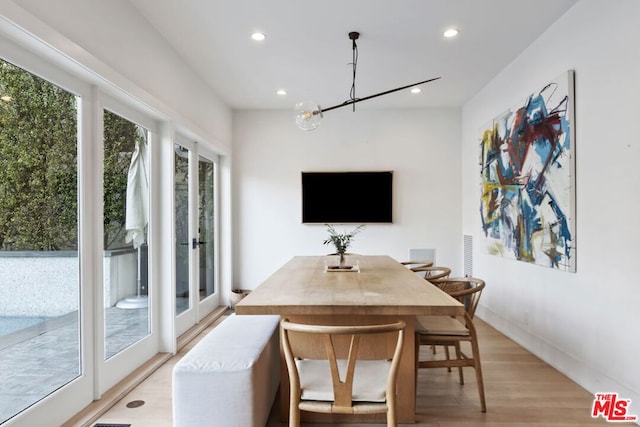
<point x="126" y="215"/>
<point x="40" y="314"/>
<point x="195" y="201"/>
<point x="206" y="227"/>
<point x="182" y="241"/>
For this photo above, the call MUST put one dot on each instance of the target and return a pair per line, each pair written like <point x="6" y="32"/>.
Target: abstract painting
<point x="528" y="179"/>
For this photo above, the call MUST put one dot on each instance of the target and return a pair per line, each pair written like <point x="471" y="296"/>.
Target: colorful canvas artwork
<point x="528" y="180"/>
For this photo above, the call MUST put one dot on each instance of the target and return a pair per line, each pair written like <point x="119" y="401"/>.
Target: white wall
<point x="585" y="324"/>
<point x="421" y="146"/>
<point x="113" y="42"/>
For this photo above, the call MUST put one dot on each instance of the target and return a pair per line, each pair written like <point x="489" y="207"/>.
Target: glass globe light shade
<point x="308" y="115"/>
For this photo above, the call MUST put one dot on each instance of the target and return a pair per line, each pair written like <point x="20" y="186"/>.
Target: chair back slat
<point x="343" y="382"/>
<point x="467" y="290"/>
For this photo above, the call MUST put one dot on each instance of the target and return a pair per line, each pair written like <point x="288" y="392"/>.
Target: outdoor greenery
<point x="120" y="136"/>
<point x="38" y="165"/>
<point x="38" y="173"/>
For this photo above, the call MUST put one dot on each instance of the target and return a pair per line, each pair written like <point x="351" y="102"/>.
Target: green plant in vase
<point x="341" y="241"/>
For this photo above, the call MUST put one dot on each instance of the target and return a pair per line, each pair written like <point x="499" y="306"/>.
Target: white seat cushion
<point x="234" y="345"/>
<point x="369" y="384"/>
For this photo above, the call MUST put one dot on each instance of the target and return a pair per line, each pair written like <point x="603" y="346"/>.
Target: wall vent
<point x="468" y="255"/>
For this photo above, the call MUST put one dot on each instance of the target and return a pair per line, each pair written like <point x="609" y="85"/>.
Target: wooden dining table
<point x="378" y="290"/>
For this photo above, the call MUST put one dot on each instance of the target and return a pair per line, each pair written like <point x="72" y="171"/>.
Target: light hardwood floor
<point x="521" y="390"/>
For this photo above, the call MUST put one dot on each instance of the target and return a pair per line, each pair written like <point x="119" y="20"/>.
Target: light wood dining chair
<point x="451" y="331"/>
<point x="341" y="385"/>
<point x="417" y="264"/>
<point x="432" y="274"/>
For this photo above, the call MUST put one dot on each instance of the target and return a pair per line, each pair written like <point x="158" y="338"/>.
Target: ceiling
<point x="308" y="53"/>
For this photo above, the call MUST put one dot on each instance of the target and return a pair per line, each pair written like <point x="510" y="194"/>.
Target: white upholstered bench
<point x="231" y="376"/>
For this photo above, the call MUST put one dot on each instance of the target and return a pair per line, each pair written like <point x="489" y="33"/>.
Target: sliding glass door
<point x="125" y="219"/>
<point x="196" y="222"/>
<point x="128" y="338"/>
<point x="43" y="349"/>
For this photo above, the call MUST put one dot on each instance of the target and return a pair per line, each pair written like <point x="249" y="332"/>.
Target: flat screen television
<point x="347" y="197"/>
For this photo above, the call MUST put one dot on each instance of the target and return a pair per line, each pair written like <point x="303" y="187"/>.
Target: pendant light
<point x="309" y="114"/>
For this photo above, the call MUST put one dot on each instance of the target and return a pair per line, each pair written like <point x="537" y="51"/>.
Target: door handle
<point x="195" y="243"/>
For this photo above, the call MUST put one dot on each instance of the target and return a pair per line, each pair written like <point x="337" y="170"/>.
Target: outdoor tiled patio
<point x="37" y="361"/>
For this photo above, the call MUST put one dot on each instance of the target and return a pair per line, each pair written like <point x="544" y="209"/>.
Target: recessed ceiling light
<point x="281" y="92"/>
<point x="451" y="32"/>
<point x="416" y="90"/>
<point x="257" y="36"/>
